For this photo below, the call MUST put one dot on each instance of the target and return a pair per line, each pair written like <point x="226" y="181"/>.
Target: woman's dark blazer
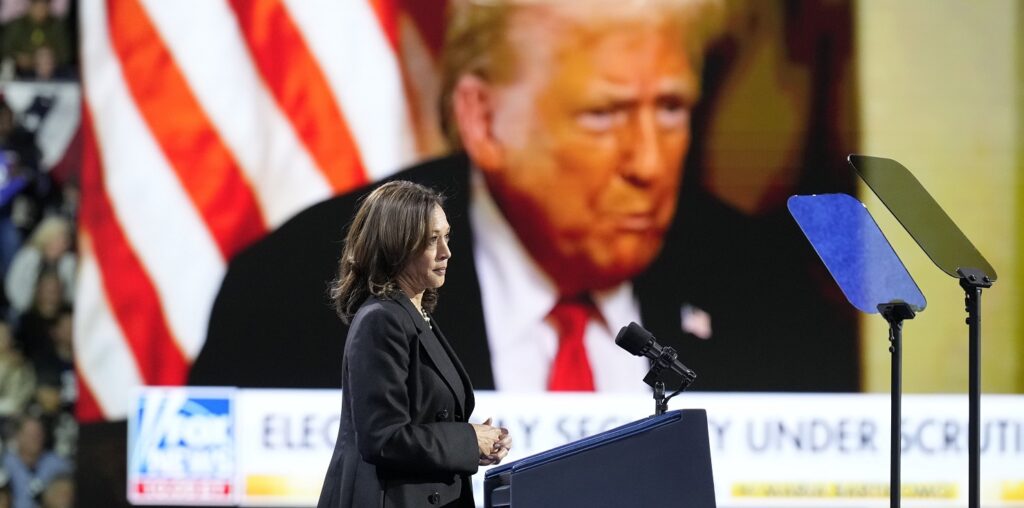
<point x="404" y="439"/>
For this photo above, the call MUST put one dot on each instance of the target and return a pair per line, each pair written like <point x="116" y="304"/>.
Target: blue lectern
<point x="658" y="461"/>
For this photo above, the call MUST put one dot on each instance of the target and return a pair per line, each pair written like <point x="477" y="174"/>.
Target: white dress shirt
<point x="517" y="297"/>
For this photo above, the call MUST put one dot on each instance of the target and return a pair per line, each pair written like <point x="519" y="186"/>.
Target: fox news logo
<point x="181" y="447"/>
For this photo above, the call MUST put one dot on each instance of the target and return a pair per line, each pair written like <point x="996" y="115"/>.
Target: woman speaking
<point x="404" y="439"/>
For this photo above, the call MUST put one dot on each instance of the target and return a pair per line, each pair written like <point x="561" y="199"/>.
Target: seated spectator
<point x="17" y="379"/>
<point x="33" y="333"/>
<point x="45" y="68"/>
<point x="5" y="490"/>
<point x="27" y="33"/>
<point x="56" y="415"/>
<point x="49" y="248"/>
<point x="18" y="141"/>
<point x="54" y="362"/>
<point x="59" y="493"/>
<point x="63" y="202"/>
<point x="57" y="389"/>
<point x="29" y="464"/>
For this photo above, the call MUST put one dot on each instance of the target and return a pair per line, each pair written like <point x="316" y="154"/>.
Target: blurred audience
<point x="64" y="202"/>
<point x="5" y="490"/>
<point x="37" y="28"/>
<point x="38" y="213"/>
<point x="59" y="493"/>
<point x="59" y="421"/>
<point x="48" y="250"/>
<point x="54" y="361"/>
<point x="17" y="378"/>
<point x="19" y="157"/>
<point x="45" y="67"/>
<point x="14" y="9"/>
<point x="33" y="332"/>
<point x="56" y="390"/>
<point x="16" y="141"/>
<point x="31" y="467"/>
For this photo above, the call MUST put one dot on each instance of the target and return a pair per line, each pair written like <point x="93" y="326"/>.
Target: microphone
<point x="638" y="341"/>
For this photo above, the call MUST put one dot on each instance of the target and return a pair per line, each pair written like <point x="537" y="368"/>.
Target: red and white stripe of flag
<point x="208" y="123"/>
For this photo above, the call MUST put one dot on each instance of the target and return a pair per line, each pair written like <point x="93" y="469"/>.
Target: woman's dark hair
<point x="389" y="229"/>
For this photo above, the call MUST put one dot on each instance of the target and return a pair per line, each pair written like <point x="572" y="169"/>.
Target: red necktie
<point x="571" y="370"/>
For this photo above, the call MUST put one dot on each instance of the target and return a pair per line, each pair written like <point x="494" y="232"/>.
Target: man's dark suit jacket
<point x="774" y="326"/>
<point x="403" y="439"/>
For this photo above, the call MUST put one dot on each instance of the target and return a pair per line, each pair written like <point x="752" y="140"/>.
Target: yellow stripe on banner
<point x="1012" y="491"/>
<point x="844" y="490"/>
<point x="276" y="486"/>
<point x="935" y="490"/>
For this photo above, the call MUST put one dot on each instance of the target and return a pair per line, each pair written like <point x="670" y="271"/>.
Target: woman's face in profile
<point x="427" y="270"/>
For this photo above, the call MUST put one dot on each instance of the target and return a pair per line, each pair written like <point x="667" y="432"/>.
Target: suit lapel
<point x="466" y="382"/>
<point x="443" y="362"/>
<point x="417" y="319"/>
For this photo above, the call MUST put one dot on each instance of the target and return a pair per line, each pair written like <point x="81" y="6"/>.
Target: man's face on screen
<point x="593" y="134"/>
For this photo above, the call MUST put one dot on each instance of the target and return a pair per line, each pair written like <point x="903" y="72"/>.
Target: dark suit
<point x="403" y="438"/>
<point x="778" y="321"/>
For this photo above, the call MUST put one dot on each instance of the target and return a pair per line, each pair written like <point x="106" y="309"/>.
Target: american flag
<point x="207" y="124"/>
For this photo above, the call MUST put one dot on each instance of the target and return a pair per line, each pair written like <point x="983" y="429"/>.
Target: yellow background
<point x="941" y="92"/>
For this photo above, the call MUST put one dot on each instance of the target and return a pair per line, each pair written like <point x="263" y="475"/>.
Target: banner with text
<point x="271" y="447"/>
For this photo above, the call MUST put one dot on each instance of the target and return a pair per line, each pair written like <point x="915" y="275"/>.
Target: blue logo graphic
<point x="181" y="445"/>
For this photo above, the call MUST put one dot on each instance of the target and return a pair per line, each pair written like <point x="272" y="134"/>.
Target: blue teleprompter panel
<point x="855" y="251"/>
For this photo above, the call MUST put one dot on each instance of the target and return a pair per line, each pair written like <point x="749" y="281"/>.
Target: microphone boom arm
<point x="667" y="357"/>
<point x="640" y="342"/>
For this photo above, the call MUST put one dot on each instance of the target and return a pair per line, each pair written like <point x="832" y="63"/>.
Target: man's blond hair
<point x="477" y="40"/>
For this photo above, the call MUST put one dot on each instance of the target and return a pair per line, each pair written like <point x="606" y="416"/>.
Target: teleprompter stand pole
<point x="973" y="281"/>
<point x="895" y="313"/>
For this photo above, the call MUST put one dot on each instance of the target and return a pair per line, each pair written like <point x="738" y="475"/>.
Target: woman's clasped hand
<point x="494" y="442"/>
